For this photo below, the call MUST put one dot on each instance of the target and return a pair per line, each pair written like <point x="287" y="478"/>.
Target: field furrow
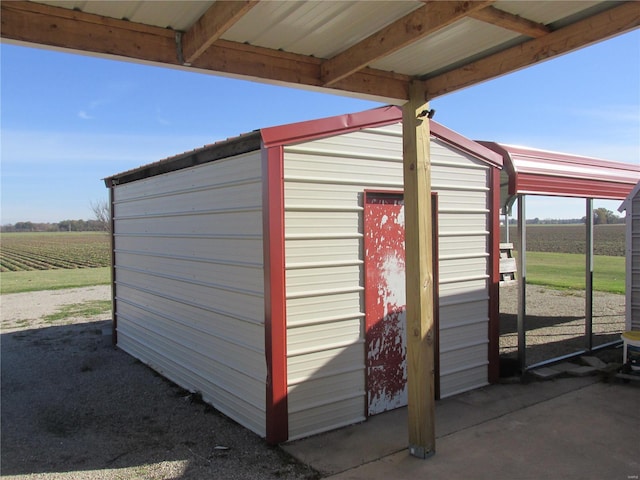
<point x="49" y="251"/>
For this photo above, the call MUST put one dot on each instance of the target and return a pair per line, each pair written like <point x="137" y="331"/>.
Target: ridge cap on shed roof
<point x="299" y="132"/>
<point x="376" y="117"/>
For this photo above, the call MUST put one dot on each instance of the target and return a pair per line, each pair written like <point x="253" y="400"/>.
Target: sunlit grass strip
<point x="33" y="280"/>
<point x="84" y="310"/>
<point x="567" y="271"/>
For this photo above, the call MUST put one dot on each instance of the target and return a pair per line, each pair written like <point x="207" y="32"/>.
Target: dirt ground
<point x="75" y="407"/>
<point x="555" y="321"/>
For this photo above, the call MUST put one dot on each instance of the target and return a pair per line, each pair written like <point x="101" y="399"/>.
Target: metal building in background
<point x="632" y="207"/>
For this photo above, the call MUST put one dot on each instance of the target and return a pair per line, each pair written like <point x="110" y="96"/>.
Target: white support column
<point x="522" y="284"/>
<point x="588" y="307"/>
<point x="419" y="273"/>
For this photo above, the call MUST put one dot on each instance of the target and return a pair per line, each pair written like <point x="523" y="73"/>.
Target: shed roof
<point x="296" y="133"/>
<point x="542" y="172"/>
<point x="627" y="201"/>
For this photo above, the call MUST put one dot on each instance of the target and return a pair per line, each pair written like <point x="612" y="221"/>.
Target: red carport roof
<point x="541" y="172"/>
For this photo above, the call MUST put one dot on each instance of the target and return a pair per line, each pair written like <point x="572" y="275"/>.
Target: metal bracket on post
<point x="420" y="452"/>
<point x="179" y="53"/>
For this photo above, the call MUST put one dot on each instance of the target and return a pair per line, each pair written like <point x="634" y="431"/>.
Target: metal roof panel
<point x="176" y="14"/>
<point x="545" y="12"/>
<point x="321" y="29"/>
<point x="544" y="172"/>
<point x="446" y="48"/>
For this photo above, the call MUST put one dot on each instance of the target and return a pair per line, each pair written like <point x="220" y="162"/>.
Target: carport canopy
<point x="529" y="171"/>
<point x="400" y="52"/>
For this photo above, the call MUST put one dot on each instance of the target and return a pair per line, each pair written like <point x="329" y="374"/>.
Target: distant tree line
<point x="101" y="222"/>
<point x="63" y="226"/>
<point x="601" y="216"/>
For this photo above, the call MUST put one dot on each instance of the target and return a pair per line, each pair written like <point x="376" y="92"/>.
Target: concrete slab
<point x="546" y="373"/>
<point x="565" y="366"/>
<point x="386" y="434"/>
<point x="593" y="362"/>
<point x="588" y="433"/>
<point x="583" y="371"/>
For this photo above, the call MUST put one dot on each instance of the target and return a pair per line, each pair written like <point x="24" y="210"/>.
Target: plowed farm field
<point x="49" y="251"/>
<point x="608" y="240"/>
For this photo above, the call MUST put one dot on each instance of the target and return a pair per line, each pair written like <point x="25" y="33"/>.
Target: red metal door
<point x="385" y="302"/>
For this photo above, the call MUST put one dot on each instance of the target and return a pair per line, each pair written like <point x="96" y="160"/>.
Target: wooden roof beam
<point x="219" y="18"/>
<point x="42" y="24"/>
<point x="70" y="29"/>
<point x="510" y="21"/>
<point x="424" y="21"/>
<point x="616" y="20"/>
<point x="289" y="68"/>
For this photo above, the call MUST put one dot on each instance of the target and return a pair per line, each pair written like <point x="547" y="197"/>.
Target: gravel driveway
<point x="74" y="407"/>
<point x="555" y="321"/>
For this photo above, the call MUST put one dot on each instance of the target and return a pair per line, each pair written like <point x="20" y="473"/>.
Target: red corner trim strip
<point x="277" y="415"/>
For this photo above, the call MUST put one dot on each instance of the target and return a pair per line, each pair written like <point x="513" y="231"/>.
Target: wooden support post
<point x="419" y="273"/>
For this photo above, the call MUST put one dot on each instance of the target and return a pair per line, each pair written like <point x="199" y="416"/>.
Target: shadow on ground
<point x="71" y="402"/>
<point x="552" y="337"/>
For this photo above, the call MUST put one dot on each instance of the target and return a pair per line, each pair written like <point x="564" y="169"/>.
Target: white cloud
<point x="629" y="114"/>
<point x="84" y="115"/>
<point x="162" y="119"/>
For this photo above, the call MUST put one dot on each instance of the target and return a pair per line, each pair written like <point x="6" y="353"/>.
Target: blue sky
<point x="67" y="120"/>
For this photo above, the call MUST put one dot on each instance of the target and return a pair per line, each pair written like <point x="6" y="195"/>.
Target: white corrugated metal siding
<point x="189" y="281"/>
<point x="633" y="250"/>
<point x="324" y="184"/>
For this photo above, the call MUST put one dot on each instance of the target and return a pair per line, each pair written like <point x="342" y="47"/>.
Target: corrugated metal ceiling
<point x="321" y="29"/>
<point x="324" y="29"/>
<point x="370" y="48"/>
<point x="175" y="14"/>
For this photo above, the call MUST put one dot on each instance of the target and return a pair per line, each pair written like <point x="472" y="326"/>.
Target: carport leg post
<point x="522" y="284"/>
<point x="588" y="307"/>
<point x="419" y="273"/>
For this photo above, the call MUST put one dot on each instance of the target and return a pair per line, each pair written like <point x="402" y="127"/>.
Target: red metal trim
<point x="325" y="127"/>
<point x="277" y="414"/>
<point x="494" y="278"/>
<point x="462" y="143"/>
<point x="534" y="184"/>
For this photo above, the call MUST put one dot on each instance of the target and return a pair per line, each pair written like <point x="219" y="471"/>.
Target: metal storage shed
<point x="239" y="270"/>
<point x="632" y="206"/>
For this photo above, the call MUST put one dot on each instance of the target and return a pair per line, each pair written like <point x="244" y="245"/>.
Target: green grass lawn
<point x="33" y="280"/>
<point x="557" y="270"/>
<point x="567" y="271"/>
